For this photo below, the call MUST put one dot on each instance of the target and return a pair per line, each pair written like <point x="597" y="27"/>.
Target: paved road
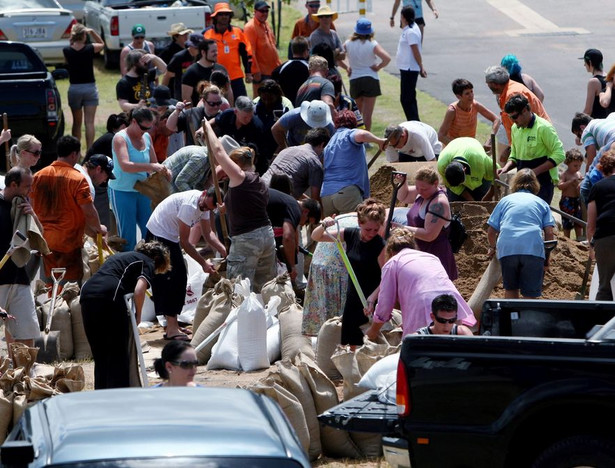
<point x="547" y="36"/>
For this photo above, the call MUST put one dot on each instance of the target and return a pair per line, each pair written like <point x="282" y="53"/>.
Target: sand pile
<point x="563" y="279"/>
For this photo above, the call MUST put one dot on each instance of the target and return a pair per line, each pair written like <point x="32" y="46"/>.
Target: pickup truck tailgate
<point x="363" y="413"/>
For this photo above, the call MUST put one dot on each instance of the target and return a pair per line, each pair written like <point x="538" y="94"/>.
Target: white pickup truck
<point x="114" y="19"/>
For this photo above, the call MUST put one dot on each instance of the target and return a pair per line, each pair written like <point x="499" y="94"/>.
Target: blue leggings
<point x="131" y="209"/>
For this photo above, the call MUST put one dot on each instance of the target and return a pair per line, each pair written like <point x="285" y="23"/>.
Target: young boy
<point x="461" y="117"/>
<point x="570" y="183"/>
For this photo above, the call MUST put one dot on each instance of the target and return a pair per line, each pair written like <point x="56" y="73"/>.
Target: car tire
<point x="582" y="450"/>
<point x="112" y="59"/>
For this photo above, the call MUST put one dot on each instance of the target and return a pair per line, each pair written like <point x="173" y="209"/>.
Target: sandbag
<point x="252" y="334"/>
<point x="335" y="443"/>
<point x="277" y="287"/>
<point x="293" y="381"/>
<point x="329" y="337"/>
<point x="6" y="413"/>
<point x="293" y="341"/>
<point x="20" y="402"/>
<point x="346" y="363"/>
<point x="225" y="354"/>
<point x="194" y="287"/>
<point x="382" y="376"/>
<point x="68" y="379"/>
<point x="23" y="356"/>
<point x="203" y="306"/>
<point x="290" y="406"/>
<point x="81" y="345"/>
<point x="38" y="388"/>
<point x="371" y="353"/>
<point x="219" y="311"/>
<point x="273" y="329"/>
<point x="156" y="187"/>
<point x="61" y="322"/>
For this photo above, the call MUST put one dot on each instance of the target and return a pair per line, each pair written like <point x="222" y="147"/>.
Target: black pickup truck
<point x="30" y="98"/>
<point x="535" y="388"/>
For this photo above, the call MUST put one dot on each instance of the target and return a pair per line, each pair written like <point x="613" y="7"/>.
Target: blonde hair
<point x="371" y="210"/>
<point x="400" y="238"/>
<point x="428" y="175"/>
<point x="243" y="157"/>
<point x="205" y="87"/>
<point x="318" y="63"/>
<point x="525" y="179"/>
<point x="77" y="33"/>
<point x="24" y="142"/>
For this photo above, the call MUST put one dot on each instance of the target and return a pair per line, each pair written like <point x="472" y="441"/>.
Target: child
<point x="461" y="117"/>
<point x="569" y="184"/>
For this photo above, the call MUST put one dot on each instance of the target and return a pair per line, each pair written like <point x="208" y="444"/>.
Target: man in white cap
<point x="292" y="127"/>
<point x="179" y="35"/>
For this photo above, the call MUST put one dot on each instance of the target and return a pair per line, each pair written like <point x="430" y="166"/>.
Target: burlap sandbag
<point x="290" y="406"/>
<point x="293" y="341"/>
<point x="6" y="413"/>
<point x="38" y="388"/>
<point x="276" y="287"/>
<point x="329" y="337"/>
<point x="81" y="345"/>
<point x="5" y="364"/>
<point x="294" y="382"/>
<point x="346" y="363"/>
<point x="156" y="187"/>
<point x="23" y="356"/>
<point x="370" y="353"/>
<point x="335" y="443"/>
<point x="85" y="260"/>
<point x="61" y="322"/>
<point x="20" y="403"/>
<point x="68" y="379"/>
<point x="220" y="308"/>
<point x="10" y="378"/>
<point x="203" y="306"/>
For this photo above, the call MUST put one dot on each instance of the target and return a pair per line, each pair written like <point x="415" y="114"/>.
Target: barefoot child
<point x="569" y="184"/>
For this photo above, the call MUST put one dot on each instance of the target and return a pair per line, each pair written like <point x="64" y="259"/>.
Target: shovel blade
<point x="48" y="345"/>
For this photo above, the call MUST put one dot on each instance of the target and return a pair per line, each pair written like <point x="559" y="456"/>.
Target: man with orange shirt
<point x="61" y="198"/>
<point x="499" y="82"/>
<point x="264" y="51"/>
<point x="233" y="48"/>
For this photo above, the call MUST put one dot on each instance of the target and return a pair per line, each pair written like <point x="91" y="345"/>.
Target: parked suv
<point x="30" y="98"/>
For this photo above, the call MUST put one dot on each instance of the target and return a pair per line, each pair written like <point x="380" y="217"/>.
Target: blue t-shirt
<point x="520" y="219"/>
<point x="344" y="164"/>
<point x="297" y="128"/>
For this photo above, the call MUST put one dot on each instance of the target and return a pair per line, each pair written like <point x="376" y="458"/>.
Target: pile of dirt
<point x="562" y="280"/>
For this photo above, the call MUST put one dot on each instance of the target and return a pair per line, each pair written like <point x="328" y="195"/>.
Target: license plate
<point x="34" y="32"/>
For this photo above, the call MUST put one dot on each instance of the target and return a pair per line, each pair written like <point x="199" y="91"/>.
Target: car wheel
<point x="578" y="451"/>
<point x="112" y="59"/>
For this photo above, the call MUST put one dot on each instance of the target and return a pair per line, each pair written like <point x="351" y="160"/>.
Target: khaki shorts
<point x="18" y="300"/>
<point x="344" y="201"/>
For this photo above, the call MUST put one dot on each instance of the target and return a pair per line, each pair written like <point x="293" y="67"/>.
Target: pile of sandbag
<point x="248" y="331"/>
<point x="23" y="383"/>
<point x="67" y="319"/>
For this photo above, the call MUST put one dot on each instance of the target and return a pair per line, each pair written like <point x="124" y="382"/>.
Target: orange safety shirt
<point x="233" y="49"/>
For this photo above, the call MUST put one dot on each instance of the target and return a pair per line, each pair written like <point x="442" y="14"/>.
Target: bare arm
<point x="167" y="77"/>
<point x="449" y="117"/>
<point x="127" y="106"/>
<point x="235" y="174"/>
<point x="593" y="89"/>
<point x="123" y="55"/>
<point x="592" y="215"/>
<point x="289" y="244"/>
<point x="279" y="135"/>
<point x="605" y="96"/>
<point x="417" y="56"/>
<point x="590" y="153"/>
<point x="384" y="57"/>
<point x="363" y="136"/>
<point x="318" y="234"/>
<point x="98" y="42"/>
<point x="186" y="93"/>
<point x="211" y="238"/>
<point x="492" y="237"/>
<point x="92" y="222"/>
<point x="184" y="234"/>
<point x="433" y="224"/>
<point x="394" y="12"/>
<point x="126" y="165"/>
<point x="433" y="8"/>
<point x="139" y="297"/>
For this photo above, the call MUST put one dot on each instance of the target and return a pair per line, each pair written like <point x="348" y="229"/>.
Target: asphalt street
<point x="548" y="37"/>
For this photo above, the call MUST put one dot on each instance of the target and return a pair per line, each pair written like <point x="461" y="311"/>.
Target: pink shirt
<point x="414" y="278"/>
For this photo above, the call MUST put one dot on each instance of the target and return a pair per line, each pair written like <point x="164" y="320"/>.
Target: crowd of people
<point x="294" y="154"/>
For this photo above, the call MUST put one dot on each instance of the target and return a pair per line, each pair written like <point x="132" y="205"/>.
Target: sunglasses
<point x="144" y="128"/>
<point x="139" y="37"/>
<point x="443" y="320"/>
<point x="214" y="103"/>
<point x="186" y="364"/>
<point x="264" y="10"/>
<point x="315" y="5"/>
<point x="35" y="153"/>
<point x="514" y="116"/>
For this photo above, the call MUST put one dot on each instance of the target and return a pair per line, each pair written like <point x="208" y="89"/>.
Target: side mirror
<point x="60" y="74"/>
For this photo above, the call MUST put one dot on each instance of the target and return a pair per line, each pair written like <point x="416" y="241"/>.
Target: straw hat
<point x="178" y="29"/>
<point x="324" y="10"/>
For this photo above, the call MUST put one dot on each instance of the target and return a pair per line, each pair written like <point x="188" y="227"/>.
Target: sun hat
<point x="138" y="30"/>
<point x="316" y="113"/>
<point x="178" y="29"/>
<point x="104" y="162"/>
<point x="324" y="10"/>
<point x="221" y="7"/>
<point x="228" y="143"/>
<point x="363" y="27"/>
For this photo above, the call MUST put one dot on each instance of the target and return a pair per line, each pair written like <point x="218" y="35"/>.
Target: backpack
<point x="457" y="233"/>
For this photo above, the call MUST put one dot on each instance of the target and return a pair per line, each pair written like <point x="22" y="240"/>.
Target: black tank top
<point x="599" y="112"/>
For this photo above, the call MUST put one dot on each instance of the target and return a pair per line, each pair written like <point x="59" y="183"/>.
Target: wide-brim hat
<point x="179" y="29"/>
<point x="324" y="10"/>
<point x="363" y="27"/>
<point x="221" y="8"/>
<point x="316" y="113"/>
<point x="228" y="143"/>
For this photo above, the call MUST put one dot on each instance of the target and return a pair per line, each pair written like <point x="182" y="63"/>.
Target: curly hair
<point x="371" y="210"/>
<point x="607" y="162"/>
<point x="428" y="175"/>
<point x="346" y="119"/>
<point x="158" y="252"/>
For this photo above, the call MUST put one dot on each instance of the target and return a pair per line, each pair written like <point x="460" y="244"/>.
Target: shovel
<point x="18" y="241"/>
<point x="130" y="307"/>
<point x="48" y="352"/>
<point x="396" y="188"/>
<point x="373" y="160"/>
<point x="581" y="294"/>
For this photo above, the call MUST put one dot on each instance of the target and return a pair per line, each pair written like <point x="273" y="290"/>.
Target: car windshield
<point x="15" y="62"/>
<point x="186" y="462"/>
<point x="27" y="4"/>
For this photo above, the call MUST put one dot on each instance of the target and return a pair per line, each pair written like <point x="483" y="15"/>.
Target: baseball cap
<point x="316" y="113"/>
<point x="104" y="162"/>
<point x="244" y="103"/>
<point x="162" y="96"/>
<point x="593" y="56"/>
<point x="194" y="40"/>
<point x="138" y="30"/>
<point x="261" y="4"/>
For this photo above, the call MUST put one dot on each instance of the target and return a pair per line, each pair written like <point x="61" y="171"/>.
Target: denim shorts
<point x="524" y="272"/>
<point x="82" y="95"/>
